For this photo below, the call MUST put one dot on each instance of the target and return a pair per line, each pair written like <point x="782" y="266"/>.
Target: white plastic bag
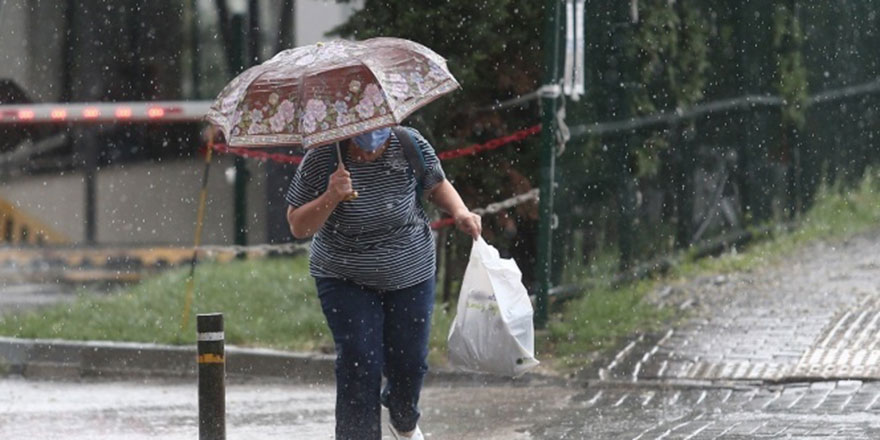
<point x="493" y="330"/>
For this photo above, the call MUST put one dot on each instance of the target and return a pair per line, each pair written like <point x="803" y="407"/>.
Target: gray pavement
<point x="790" y="350"/>
<point x="845" y="410"/>
<point x="17" y="297"/>
<point x="815" y="316"/>
<point x="151" y="409"/>
<point x="787" y="351"/>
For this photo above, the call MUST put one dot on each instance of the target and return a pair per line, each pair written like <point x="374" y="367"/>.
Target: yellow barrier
<point x="19" y="228"/>
<point x="112" y="257"/>
<point x="98" y="257"/>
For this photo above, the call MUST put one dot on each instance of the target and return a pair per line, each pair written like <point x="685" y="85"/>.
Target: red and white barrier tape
<point x="443" y="155"/>
<point x="257" y="154"/>
<point x="490" y="145"/>
<point x="260" y="250"/>
<point x="493" y="208"/>
<point x="263" y="250"/>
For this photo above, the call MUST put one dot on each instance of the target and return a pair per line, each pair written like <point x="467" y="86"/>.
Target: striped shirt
<point x="381" y="239"/>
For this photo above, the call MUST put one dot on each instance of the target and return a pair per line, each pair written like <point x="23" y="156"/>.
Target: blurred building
<point x="138" y="183"/>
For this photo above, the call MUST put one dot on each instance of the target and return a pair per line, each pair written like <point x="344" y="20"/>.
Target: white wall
<point x="31" y="54"/>
<point x="143" y="204"/>
<point x="146" y="203"/>
<point x="314" y="18"/>
<point x="13" y="41"/>
<point x="55" y="201"/>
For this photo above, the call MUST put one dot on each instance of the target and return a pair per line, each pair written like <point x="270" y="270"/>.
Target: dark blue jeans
<point x="376" y="333"/>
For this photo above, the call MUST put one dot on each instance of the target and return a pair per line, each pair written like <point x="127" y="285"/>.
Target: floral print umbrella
<point x="319" y="94"/>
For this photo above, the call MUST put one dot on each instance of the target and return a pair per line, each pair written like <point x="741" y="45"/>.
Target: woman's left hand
<point x="469" y="223"/>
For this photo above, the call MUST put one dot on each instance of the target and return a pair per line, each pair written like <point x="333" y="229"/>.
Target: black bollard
<point x="212" y="377"/>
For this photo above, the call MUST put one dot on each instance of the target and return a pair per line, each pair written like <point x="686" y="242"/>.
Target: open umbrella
<point x="322" y="93"/>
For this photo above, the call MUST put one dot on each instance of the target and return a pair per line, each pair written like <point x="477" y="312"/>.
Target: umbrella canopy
<point x="322" y="93"/>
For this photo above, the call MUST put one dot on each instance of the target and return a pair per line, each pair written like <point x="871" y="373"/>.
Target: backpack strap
<point x="413" y="155"/>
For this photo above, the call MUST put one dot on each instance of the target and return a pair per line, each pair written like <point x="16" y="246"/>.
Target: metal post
<point x="194" y="50"/>
<point x="212" y="376"/>
<point x="254" y="37"/>
<point x="548" y="160"/>
<point x="278" y="175"/>
<point x="240" y="201"/>
<point x="237" y="65"/>
<point x="89" y="141"/>
<point x="286" y="38"/>
<point x="85" y="37"/>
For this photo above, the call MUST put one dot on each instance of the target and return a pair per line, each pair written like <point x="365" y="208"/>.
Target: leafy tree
<point x="791" y="75"/>
<point x="493" y="49"/>
<point x="669" y="46"/>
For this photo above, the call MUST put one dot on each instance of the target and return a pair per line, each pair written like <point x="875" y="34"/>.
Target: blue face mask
<point x="371" y="141"/>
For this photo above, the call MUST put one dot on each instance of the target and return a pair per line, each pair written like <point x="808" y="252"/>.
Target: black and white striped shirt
<point x="381" y="239"/>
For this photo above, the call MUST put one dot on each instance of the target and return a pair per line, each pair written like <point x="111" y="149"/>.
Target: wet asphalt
<point x="256" y="410"/>
<point x="790" y="350"/>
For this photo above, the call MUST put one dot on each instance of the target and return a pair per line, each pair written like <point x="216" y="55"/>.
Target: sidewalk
<point x="815" y="316"/>
<point x="788" y="350"/>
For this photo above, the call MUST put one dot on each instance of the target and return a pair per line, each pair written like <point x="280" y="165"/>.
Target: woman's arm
<point x="308" y="219"/>
<point x="447" y="199"/>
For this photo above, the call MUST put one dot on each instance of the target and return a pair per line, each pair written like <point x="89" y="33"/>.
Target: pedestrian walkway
<point x="845" y="410"/>
<point x="815" y="316"/>
<point x="785" y="351"/>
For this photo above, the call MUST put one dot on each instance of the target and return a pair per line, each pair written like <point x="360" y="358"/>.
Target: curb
<point x="60" y="359"/>
<point x="72" y="360"/>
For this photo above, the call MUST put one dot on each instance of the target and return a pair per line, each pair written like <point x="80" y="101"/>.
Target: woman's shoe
<point x="416" y="435"/>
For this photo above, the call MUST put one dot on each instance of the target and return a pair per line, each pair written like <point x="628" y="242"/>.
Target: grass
<point x="272" y="303"/>
<point x="266" y="303"/>
<point x="599" y="320"/>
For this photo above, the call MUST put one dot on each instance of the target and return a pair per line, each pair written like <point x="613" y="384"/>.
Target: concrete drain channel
<point x="849" y="347"/>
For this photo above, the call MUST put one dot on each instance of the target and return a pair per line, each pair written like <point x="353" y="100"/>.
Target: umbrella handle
<point x="354" y="194"/>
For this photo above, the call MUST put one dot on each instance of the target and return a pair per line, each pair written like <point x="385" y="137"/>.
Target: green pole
<point x="543" y="270"/>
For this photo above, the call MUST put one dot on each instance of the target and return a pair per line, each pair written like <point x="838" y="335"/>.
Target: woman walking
<point x="372" y="258"/>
